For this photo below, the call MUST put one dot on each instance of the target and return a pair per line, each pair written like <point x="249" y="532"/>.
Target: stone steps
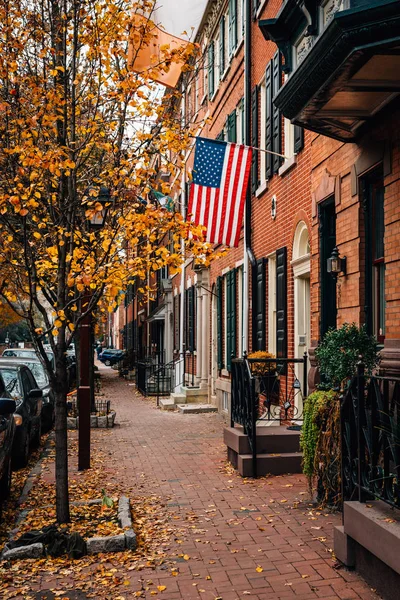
<point x="195" y="409"/>
<point x="278" y="450"/>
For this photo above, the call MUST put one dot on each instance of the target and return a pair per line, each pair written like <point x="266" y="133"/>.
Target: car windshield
<point x="10" y="378"/>
<point x="39" y="373"/>
<point x="20" y="354"/>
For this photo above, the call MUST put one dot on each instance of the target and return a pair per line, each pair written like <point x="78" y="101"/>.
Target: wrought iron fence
<point x="100" y="408"/>
<point x="281" y="387"/>
<point x="370" y="424"/>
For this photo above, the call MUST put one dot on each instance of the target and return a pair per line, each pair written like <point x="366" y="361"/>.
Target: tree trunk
<point x="61" y="389"/>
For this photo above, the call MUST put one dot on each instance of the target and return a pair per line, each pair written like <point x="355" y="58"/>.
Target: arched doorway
<point x="302" y="307"/>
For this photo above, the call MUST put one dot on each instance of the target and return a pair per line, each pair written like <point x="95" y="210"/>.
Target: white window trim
<point x="261" y="189"/>
<point x="261" y="8"/>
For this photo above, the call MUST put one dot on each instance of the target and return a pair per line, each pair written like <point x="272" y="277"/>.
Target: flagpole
<point x="247" y="212"/>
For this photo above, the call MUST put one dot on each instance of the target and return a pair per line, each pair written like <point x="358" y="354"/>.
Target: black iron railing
<point x="244" y="403"/>
<point x="370" y="425"/>
<point x="155" y="379"/>
<point x="267" y="389"/>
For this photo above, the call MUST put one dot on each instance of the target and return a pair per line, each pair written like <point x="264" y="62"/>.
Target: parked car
<point x="7" y="432"/>
<point x="42" y="380"/>
<point x="111" y="356"/>
<point x="23" y="388"/>
<point x="26" y="353"/>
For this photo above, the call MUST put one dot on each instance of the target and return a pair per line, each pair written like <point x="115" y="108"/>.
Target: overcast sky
<point x="177" y="16"/>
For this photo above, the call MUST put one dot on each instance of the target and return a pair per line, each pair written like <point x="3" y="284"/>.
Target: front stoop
<point x="278" y="450"/>
<point x="369" y="541"/>
<point x="187" y="396"/>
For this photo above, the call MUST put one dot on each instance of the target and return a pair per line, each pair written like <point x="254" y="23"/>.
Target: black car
<point x="42" y="380"/>
<point x="22" y="387"/>
<point x="7" y="431"/>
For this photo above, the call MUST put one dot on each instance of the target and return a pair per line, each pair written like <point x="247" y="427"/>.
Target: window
<point x="231" y="126"/>
<point x="240" y="122"/>
<point x="240" y="311"/>
<point x="258" y="307"/>
<point x="225" y="401"/>
<point x="177" y="320"/>
<point x="190" y="319"/>
<point x="271" y="119"/>
<point x="263" y="155"/>
<point x="217" y="59"/>
<point x="232" y="26"/>
<point x="221" y="47"/>
<point x="230" y="316"/>
<point x="272" y="304"/>
<point x="375" y="303"/>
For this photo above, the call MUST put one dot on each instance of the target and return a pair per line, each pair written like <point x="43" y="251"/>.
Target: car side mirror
<point x="35" y="393"/>
<point x="7" y="406"/>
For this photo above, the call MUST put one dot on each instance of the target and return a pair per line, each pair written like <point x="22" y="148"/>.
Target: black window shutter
<point x="268" y="120"/>
<point x="276" y="113"/>
<point x="232" y="127"/>
<point x="230" y="317"/>
<point x="281" y="304"/>
<point x="194" y="311"/>
<point x="220" y="313"/>
<point x="176" y="322"/>
<point x="221" y="47"/>
<point x="220" y="136"/>
<point x="190" y="325"/>
<point x="254" y="139"/>
<point x="211" y="69"/>
<point x="298" y="138"/>
<point x="259" y="309"/>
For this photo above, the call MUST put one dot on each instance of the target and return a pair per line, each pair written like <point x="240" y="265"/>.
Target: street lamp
<point x="84" y="393"/>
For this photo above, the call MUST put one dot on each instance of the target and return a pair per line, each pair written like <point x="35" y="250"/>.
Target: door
<point x="302" y="308"/>
<point x="327" y="238"/>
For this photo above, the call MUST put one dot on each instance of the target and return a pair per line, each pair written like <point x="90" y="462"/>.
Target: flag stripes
<point x="219" y="206"/>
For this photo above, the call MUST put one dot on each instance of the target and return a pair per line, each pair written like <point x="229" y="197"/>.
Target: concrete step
<point x="195" y="409"/>
<point x="191" y="396"/>
<point x="272" y="464"/>
<point x="269" y="440"/>
<point x="167" y="404"/>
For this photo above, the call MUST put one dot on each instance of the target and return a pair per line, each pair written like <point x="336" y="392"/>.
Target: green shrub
<point x="339" y="352"/>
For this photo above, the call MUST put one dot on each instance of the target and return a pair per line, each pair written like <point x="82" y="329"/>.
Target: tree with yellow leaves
<point x="74" y="119"/>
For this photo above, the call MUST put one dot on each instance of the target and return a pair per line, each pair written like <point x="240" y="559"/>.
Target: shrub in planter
<point x="267" y="379"/>
<point x="320" y="443"/>
<point x="339" y="352"/>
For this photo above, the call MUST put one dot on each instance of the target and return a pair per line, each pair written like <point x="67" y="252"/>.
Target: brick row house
<point x="336" y="187"/>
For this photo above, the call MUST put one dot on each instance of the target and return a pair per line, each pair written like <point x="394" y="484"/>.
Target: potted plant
<point x="339" y="353"/>
<point x="267" y="381"/>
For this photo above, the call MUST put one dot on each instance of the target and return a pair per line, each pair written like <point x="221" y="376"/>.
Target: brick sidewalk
<point x="235" y="538"/>
<point x="235" y="526"/>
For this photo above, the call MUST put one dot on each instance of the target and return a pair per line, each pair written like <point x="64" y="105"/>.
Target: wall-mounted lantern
<point x="336" y="264"/>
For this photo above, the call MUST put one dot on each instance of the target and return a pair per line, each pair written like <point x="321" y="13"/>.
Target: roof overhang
<point x="158" y="314"/>
<point x="350" y="73"/>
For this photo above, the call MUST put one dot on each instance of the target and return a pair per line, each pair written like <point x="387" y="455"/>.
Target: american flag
<point x="218" y="190"/>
